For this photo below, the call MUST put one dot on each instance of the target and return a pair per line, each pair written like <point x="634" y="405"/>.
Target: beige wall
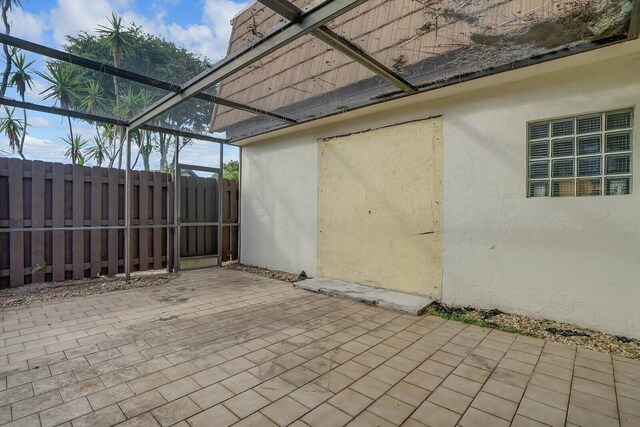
<point x="569" y="259"/>
<point x="379" y="215"/>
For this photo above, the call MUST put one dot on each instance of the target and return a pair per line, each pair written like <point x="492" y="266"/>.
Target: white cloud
<point x="38" y="149"/>
<point x="73" y="16"/>
<point x="84" y="129"/>
<point x="209" y="38"/>
<point x="219" y="13"/>
<point x="27" y="25"/>
<point x="198" y="39"/>
<point x="34" y="94"/>
<point x="39" y="122"/>
<point x="206" y="154"/>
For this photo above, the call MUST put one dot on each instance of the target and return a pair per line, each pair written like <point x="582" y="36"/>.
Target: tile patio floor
<point x="218" y="347"/>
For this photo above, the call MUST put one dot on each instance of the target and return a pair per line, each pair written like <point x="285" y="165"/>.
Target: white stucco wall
<point x="569" y="259"/>
<point x="279" y="206"/>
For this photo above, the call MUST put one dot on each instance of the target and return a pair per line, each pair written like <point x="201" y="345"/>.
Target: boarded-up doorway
<point x="380" y="207"/>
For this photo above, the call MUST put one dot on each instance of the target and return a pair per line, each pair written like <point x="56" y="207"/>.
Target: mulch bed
<point x="542" y="328"/>
<point x="40" y="293"/>
<point x="265" y="272"/>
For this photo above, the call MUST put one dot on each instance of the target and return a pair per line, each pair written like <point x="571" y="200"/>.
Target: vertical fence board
<point x="234" y="218"/>
<point x="16" y="220"/>
<point x="234" y="242"/>
<point x="157" y="220"/>
<point x="170" y="220"/>
<point x="233" y="196"/>
<point x="209" y="210"/>
<point x="37" y="221"/>
<point x="226" y="198"/>
<point x="230" y="216"/>
<point x="217" y="215"/>
<point x="96" y="220"/>
<point x="184" y="217"/>
<point x="135" y="217"/>
<point x="4" y="216"/>
<point x="143" y="239"/>
<point x="78" y="221"/>
<point x="57" y="221"/>
<point x="112" y="251"/>
<point x="200" y="216"/>
<point x="191" y="209"/>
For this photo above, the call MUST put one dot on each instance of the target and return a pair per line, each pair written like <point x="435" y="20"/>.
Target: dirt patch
<point x="541" y="328"/>
<point x="272" y="274"/>
<point x="45" y="292"/>
<point x="173" y="298"/>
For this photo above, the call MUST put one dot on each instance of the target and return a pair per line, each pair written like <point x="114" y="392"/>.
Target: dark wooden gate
<point x="199" y="220"/>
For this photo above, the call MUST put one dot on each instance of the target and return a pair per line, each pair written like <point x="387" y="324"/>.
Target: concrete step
<point x="384" y="298"/>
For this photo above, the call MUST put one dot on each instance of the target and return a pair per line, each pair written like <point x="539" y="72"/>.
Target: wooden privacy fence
<point x="68" y="222"/>
<point x="230" y="194"/>
<point x="199" y="206"/>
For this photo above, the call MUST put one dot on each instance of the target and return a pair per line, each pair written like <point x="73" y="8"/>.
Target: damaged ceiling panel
<point x="431" y="41"/>
<point x="301" y="81"/>
<point x="427" y="43"/>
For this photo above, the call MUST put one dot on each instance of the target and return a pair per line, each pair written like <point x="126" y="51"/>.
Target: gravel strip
<point x="272" y="274"/>
<point x="44" y="292"/>
<point x="566" y="333"/>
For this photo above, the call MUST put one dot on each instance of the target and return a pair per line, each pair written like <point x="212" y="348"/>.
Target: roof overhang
<point x="502" y="77"/>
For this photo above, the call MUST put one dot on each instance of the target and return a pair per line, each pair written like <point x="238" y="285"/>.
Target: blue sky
<point x="201" y="26"/>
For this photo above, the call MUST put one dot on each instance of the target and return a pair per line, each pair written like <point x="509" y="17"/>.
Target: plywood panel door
<point x="380" y="207"/>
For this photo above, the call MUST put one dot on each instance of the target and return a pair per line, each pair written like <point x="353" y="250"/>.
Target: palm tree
<point x="63" y="86"/>
<point x="76" y="145"/>
<point x="108" y="135"/>
<point x="21" y="79"/>
<point x="93" y="101"/>
<point x="136" y="137"/>
<point x="146" y="150"/>
<point x="118" y="39"/>
<point x="146" y="147"/>
<point x="12" y="128"/>
<point x="129" y="105"/>
<point x="7" y="5"/>
<point x="99" y="150"/>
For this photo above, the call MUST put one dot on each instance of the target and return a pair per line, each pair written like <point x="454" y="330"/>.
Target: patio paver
<point x="220" y="347"/>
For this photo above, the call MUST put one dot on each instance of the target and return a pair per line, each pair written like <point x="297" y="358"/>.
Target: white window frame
<point x="545" y="183"/>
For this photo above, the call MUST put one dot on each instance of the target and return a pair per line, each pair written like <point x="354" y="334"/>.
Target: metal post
<point x="176" y="207"/>
<point x="239" y="203"/>
<point x="168" y="229"/>
<point x="127" y="208"/>
<point x="220" y="201"/>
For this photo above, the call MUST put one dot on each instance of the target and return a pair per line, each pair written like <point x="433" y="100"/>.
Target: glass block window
<point x="586" y="155"/>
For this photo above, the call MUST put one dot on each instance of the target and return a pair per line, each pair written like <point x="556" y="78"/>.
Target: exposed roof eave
<point x="280" y="37"/>
<point x="579" y="56"/>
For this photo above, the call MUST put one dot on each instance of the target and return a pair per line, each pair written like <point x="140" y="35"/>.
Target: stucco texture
<point x="279" y="206"/>
<point x="379" y="215"/>
<point x="572" y="259"/>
